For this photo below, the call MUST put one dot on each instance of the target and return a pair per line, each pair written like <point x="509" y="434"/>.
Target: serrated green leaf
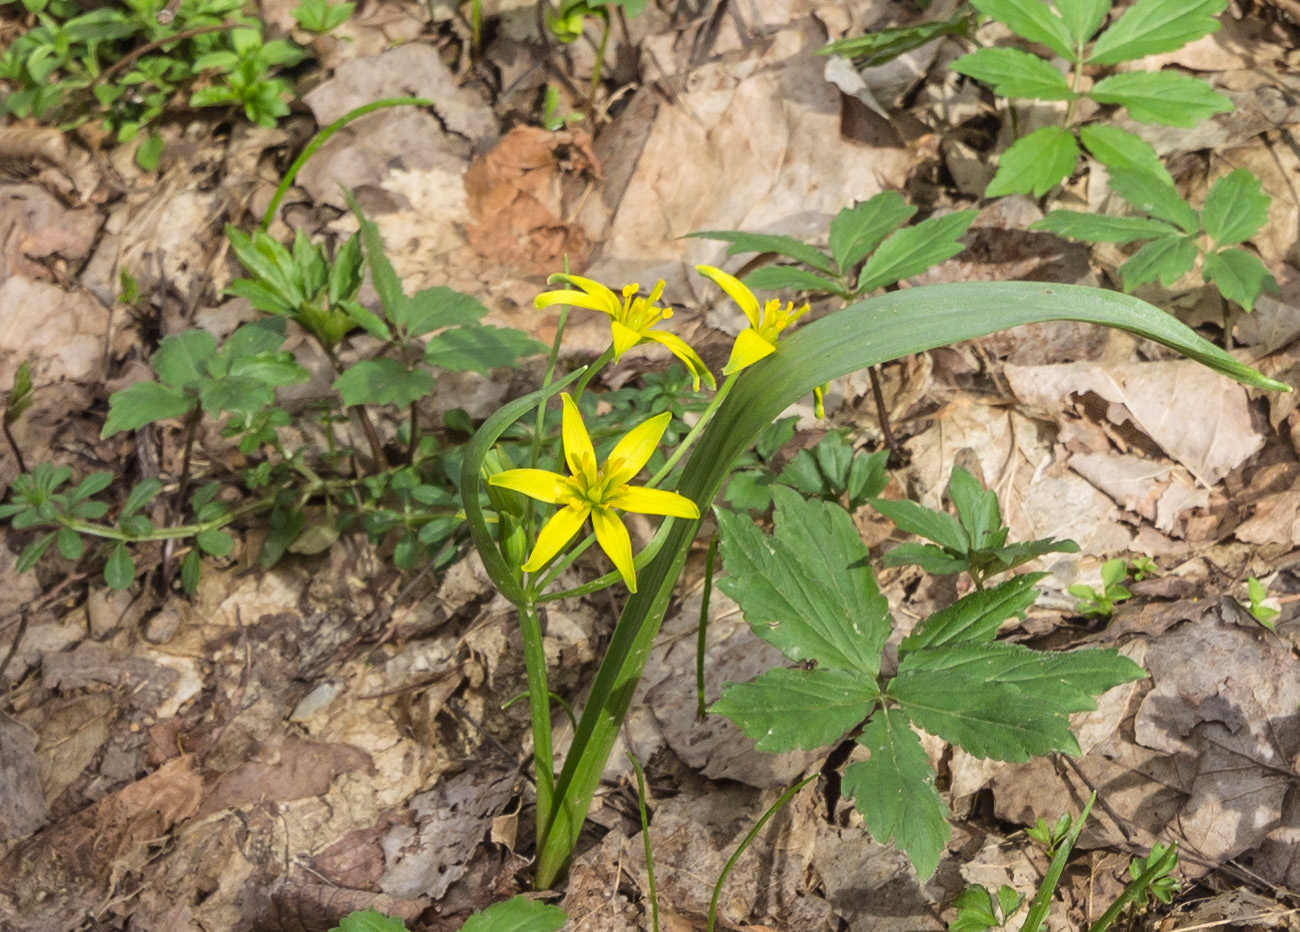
<point x="768" y="242"/>
<point x="857" y="230"/>
<point x="274" y="369"/>
<point x="382" y="274"/>
<point x="32" y="553"/>
<point x="1235" y="208"/>
<point x="1168" y="258"/>
<point x="1082" y="18"/>
<point x="144" y="403"/>
<point x="786" y="709"/>
<point x="381" y="382"/>
<point x="215" y="542"/>
<point x="750" y="490"/>
<point x="367" y="320"/>
<point x="1012" y="555"/>
<point x="1100" y="228"/>
<point x="894" y="790"/>
<point x="985" y="719"/>
<point x="1165" y="97"/>
<point x="1035" y="163"/>
<point x="234" y="394"/>
<point x="807" y="589"/>
<point x="1013" y="73"/>
<point x="479" y="349"/>
<point x="119" y="569"/>
<point x="884" y="45"/>
<point x="519" y="914"/>
<point x="912" y="250"/>
<point x="789" y="278"/>
<point x="977" y="509"/>
<point x="372" y="920"/>
<point x="439" y="307"/>
<point x="976" y="616"/>
<point x="1149" y="27"/>
<point x="1118" y="148"/>
<point x="182" y="359"/>
<point x="1150" y="194"/>
<point x="70" y="543"/>
<point x="914" y="518"/>
<point x="934" y="560"/>
<point x="1032" y="20"/>
<point x="1239" y="276"/>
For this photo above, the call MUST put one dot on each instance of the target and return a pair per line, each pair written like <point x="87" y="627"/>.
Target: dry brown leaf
<point x="295" y="770"/>
<point x="1159" y="492"/>
<point x="22" y="805"/>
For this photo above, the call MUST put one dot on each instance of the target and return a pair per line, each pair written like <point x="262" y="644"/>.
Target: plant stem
<point x="156" y="44"/>
<point x="702" y="637"/>
<point x="13" y="445"/>
<point x="689" y="440"/>
<point x="598" y="67"/>
<point x="601" y="362"/>
<point x="897" y="455"/>
<point x="645" y="835"/>
<point x="539" y="705"/>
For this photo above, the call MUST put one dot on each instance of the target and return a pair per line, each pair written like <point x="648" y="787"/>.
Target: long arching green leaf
<point x="865" y="334"/>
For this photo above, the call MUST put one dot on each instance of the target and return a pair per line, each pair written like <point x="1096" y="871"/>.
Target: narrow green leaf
<point x="884" y="45"/>
<point x="857" y="230"/>
<point x="1168" y="258"/>
<point x="767" y="242"/>
<point x="1150" y="194"/>
<point x="182" y="359"/>
<point x="144" y="403"/>
<point x="438" y="307"/>
<point x="1013" y="73"/>
<point x="119" y="569"/>
<point x="32" y="553"/>
<point x="894" y="790"/>
<point x="1149" y="27"/>
<point x="807" y="589"/>
<point x="70" y="544"/>
<point x="914" y="518"/>
<point x="976" y="616"/>
<point x="140" y="496"/>
<point x="1235" y="209"/>
<point x="519" y="914"/>
<point x="1101" y="228"/>
<point x="366" y="319"/>
<point x="789" y="278"/>
<point x="977" y="509"/>
<point x="93" y="484"/>
<point x="1118" y="148"/>
<point x="912" y="250"/>
<point x="1036" y="163"/>
<point x="382" y="381"/>
<point x="786" y="709"/>
<point x="1032" y="20"/>
<point x="1082" y="18"/>
<point x="1165" y="97"/>
<point x="1239" y="276"/>
<point x="191" y="570"/>
<point x="382" y="274"/>
<point x="934" y="560"/>
<point x="480" y="349"/>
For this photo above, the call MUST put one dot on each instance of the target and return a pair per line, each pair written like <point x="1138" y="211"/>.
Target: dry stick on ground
<point x="153" y="46"/>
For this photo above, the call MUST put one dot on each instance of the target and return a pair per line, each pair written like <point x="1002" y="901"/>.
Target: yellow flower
<point x="759" y="339"/>
<point x="630" y="320"/>
<point x="596" y="492"/>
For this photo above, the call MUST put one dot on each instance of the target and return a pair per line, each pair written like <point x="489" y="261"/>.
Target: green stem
<point x="323" y="136"/>
<point x="645" y="836"/>
<point x="601" y="362"/>
<point x="702" y="637"/>
<point x="598" y="67"/>
<point x="539" y="706"/>
<point x="689" y="440"/>
<point x="1076" y="75"/>
<point x="643" y="558"/>
<point x="753" y="833"/>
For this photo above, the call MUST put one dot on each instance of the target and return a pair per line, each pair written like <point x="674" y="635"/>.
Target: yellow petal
<point x="653" y="502"/>
<point x="624" y="338"/>
<point x="632" y="452"/>
<point x="574" y="298"/>
<point x="578" y="451"/>
<point x="535" y="483"/>
<point x="679" y="348"/>
<point x="613" y="539"/>
<point x="748" y="349"/>
<point x="738" y="292"/>
<point x="556" y="533"/>
<point x="610" y="303"/>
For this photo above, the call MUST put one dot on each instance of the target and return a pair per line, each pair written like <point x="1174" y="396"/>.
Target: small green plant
<point x="1101" y="602"/>
<point x="1050" y="836"/>
<point x="975" y="541"/>
<point x="1069" y="29"/>
<point x="978" y="909"/>
<point x="18" y="400"/>
<point x="831" y="471"/>
<point x="519" y="914"/>
<point x="554" y="116"/>
<point x="322" y="16"/>
<point x="568" y="21"/>
<point x="1141" y="568"/>
<point x="1256" y="594"/>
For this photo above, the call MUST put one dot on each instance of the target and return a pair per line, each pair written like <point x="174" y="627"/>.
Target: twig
<point x="128" y="59"/>
<point x="13" y="446"/>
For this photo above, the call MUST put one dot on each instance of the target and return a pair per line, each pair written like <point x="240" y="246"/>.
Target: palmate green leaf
<point x="1082" y="18"/>
<point x="1013" y="73"/>
<point x="976" y="617"/>
<point x="275" y="369"/>
<point x="857" y="230"/>
<point x="144" y="403"/>
<point x="977" y="510"/>
<point x="894" y="790"/>
<point x="1032" y="20"/>
<point x="914" y="518"/>
<point x="768" y="242"/>
<point x="1165" y="97"/>
<point x="1235" y="208"/>
<point x="1239" y="276"/>
<point x="519" y="914"/>
<point x="884" y="45"/>
<point x="1118" y="148"/>
<point x="1149" y="27"/>
<point x="382" y="382"/>
<point x="786" y="709"/>
<point x="479" y="349"/>
<point x="807" y="589"/>
<point x="934" y="560"/>
<point x="1035" y="163"/>
<point x="265" y="335"/>
<point x="438" y="307"/>
<point x="1168" y="258"/>
<point x="912" y="250"/>
<point x="182" y="359"/>
<point x="789" y="278"/>
<point x="235" y="394"/>
<point x="1100" y="228"/>
<point x="1152" y="195"/>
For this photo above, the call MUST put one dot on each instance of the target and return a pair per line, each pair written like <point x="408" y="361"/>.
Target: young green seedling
<point x="1264" y="614"/>
<point x="1101" y="602"/>
<point x="978" y="909"/>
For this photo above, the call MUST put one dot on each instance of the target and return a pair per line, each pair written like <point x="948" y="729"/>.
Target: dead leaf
<point x="39" y="314"/>
<point x="22" y="805"/>
<point x="295" y="770"/>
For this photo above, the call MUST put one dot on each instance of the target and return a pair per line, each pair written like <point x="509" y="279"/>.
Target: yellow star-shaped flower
<point x="593" y="491"/>
<point x="759" y="339"/>
<point x="631" y="320"/>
